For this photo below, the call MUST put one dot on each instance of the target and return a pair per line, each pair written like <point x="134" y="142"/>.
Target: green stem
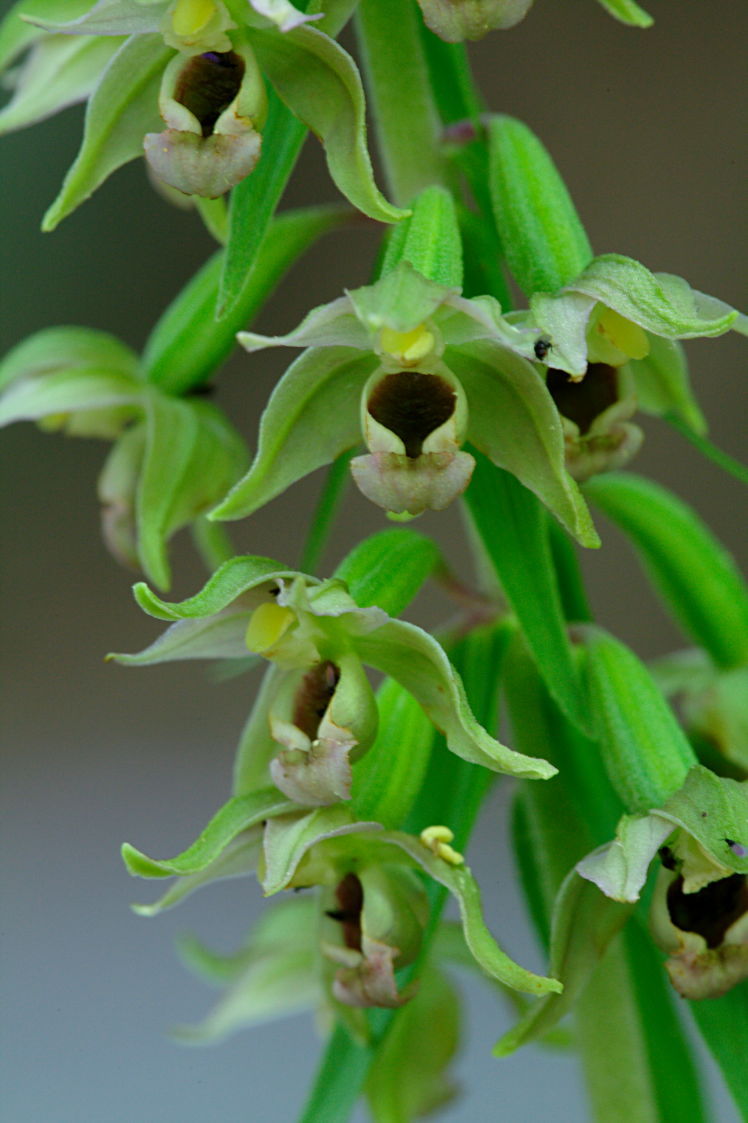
<point x="324" y="514"/>
<point x="405" y="115"/>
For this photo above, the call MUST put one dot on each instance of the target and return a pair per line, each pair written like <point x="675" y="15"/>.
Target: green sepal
<point x="111" y="17"/>
<point x="234" y="579"/>
<point x="239" y="814"/>
<point x="274" y="975"/>
<point x="389" y="568"/>
<point x="319" y="82"/>
<point x="584" y="923"/>
<point x="121" y="110"/>
<point x="316" y="846"/>
<point x="627" y="12"/>
<point x="660" y="303"/>
<point x="60" y="348"/>
<point x="429" y="239"/>
<point x="513" y="420"/>
<point x="511" y="525"/>
<point x="419" y="663"/>
<point x="646" y="753"/>
<point x="694" y="574"/>
<point x="16" y="33"/>
<point x="188" y="344"/>
<point x="59" y="72"/>
<point x="662" y="384"/>
<point x="69" y="392"/>
<point x="192" y="455"/>
<point x="544" y="242"/>
<point x="408" y="1076"/>
<point x="388" y="778"/>
<point x="312" y="417"/>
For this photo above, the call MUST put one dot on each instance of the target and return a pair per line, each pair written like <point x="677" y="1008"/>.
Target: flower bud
<point x="455" y="20"/>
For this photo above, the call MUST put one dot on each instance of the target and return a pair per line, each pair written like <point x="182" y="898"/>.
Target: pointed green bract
<point x="429" y="239"/>
<point x="389" y="568"/>
<point x="511" y="525"/>
<point x="121" y="110"/>
<point x="627" y="12"/>
<point x="188" y="344"/>
<point x="543" y="239"/>
<point x="691" y="570"/>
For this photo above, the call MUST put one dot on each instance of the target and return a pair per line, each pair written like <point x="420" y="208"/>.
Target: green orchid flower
<point x="610" y="329"/>
<point x="700" y="909"/>
<point x="316" y="714"/>
<point x="199" y="65"/>
<point x="171" y="458"/>
<point x="412" y="369"/>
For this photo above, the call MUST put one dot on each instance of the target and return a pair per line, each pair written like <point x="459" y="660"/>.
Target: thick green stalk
<point x="405" y="115"/>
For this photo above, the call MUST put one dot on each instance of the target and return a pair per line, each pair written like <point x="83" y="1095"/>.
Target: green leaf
<point x="583" y="925"/>
<point x="544" y="241"/>
<point x="312" y="416"/>
<point x="253" y="202"/>
<point x="723" y="1023"/>
<point x="68" y="391"/>
<point x="319" y="82"/>
<point x="696" y="577"/>
<point x="59" y="348"/>
<point x="662" y="386"/>
<point x="192" y="455"/>
<point x="627" y="12"/>
<point x="58" y="73"/>
<point x="513" y="420"/>
<point x="188" y="344"/>
<point x="511" y="525"/>
<point x="646" y="754"/>
<point x="234" y="817"/>
<point x="419" y="663"/>
<point x="429" y="239"/>
<point x="389" y="568"/>
<point x="121" y="110"/>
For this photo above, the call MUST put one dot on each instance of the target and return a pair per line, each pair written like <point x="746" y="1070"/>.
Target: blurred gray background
<point x="649" y="129"/>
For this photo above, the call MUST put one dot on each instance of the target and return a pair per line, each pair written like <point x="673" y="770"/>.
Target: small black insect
<point x="541" y="348"/>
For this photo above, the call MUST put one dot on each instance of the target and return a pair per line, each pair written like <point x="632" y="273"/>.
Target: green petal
<point x="330" y="325"/>
<point x="619" y="869"/>
<point x="320" y="84"/>
<point x="662" y="384"/>
<point x="714" y="811"/>
<point x="513" y="420"/>
<point x="401" y="299"/>
<point x="419" y="664"/>
<point x="111" y="17"/>
<point x="68" y="391"/>
<point x="192" y="455"/>
<point x="696" y="577"/>
<point x="388" y="569"/>
<point x="584" y="923"/>
<point x="64" y="348"/>
<point x="312" y="416"/>
<point x="121" y="110"/>
<point x="58" y="73"/>
<point x="289" y="838"/>
<point x="234" y="817"/>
